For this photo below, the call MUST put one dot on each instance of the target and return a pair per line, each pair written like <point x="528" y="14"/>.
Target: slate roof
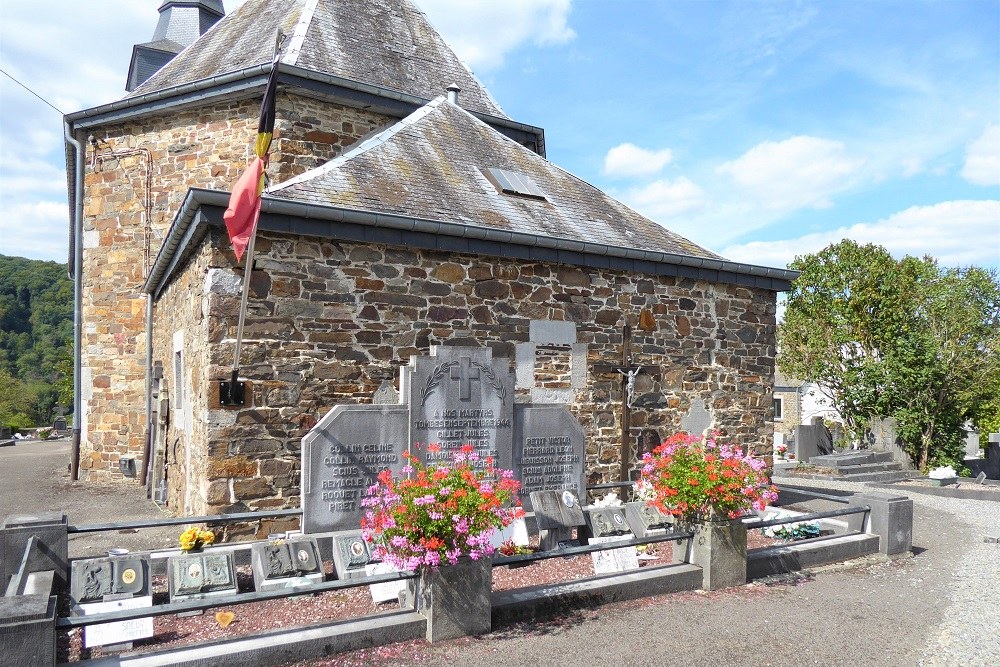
<point x="429" y="165"/>
<point x="385" y="43"/>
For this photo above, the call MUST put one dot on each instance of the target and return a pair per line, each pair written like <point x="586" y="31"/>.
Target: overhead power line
<point x="11" y="77"/>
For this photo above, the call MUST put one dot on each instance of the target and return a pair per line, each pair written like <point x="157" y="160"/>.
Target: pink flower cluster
<point x="437" y="514"/>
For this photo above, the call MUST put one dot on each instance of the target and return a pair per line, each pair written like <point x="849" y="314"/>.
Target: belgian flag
<point x="244" y="203"/>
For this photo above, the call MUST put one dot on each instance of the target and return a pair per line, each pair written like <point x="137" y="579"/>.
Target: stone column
<point x="720" y="550"/>
<point x="455" y="599"/>
<point x="891" y="518"/>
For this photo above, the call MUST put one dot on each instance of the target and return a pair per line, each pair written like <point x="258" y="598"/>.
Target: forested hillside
<point x="36" y="341"/>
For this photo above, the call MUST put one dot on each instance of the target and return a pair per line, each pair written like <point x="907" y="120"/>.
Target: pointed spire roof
<point x="436" y="164"/>
<point x="384" y="43"/>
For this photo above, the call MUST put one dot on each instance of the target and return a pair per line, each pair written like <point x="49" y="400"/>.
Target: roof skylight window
<point x="513" y="183"/>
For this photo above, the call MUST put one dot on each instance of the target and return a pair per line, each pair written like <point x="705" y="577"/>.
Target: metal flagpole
<point x="236" y="394"/>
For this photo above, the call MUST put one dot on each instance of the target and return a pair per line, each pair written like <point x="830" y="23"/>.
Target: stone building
<point x="398" y="218"/>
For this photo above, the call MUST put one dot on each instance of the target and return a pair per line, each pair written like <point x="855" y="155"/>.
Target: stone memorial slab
<point x="285" y="564"/>
<point x="386" y="394"/>
<point x="351" y="555"/>
<point x="459" y="396"/>
<point x="387" y="591"/>
<point x="698" y="419"/>
<point x="548" y="451"/>
<point x="557" y="513"/>
<point x="94" y="578"/>
<point x="612" y="561"/>
<point x="342" y="456"/>
<point x="516" y="532"/>
<point x="117" y="632"/>
<point x="201" y="575"/>
<point x="647" y="520"/>
<point x="607" y="522"/>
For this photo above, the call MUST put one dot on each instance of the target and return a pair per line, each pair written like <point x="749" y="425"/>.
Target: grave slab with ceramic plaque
<point x="557" y="514"/>
<point x="342" y="456"/>
<point x="285" y="564"/>
<point x="95" y="578"/>
<point x="351" y="554"/>
<point x="548" y="451"/>
<point x="607" y="522"/>
<point x="647" y="520"/>
<point x="388" y="591"/>
<point x="461" y="396"/>
<point x="201" y="576"/>
<point x="608" y="525"/>
<point x="100" y="585"/>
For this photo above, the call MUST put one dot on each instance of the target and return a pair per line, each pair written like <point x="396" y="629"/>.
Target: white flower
<point x="610" y="500"/>
<point x="944" y="472"/>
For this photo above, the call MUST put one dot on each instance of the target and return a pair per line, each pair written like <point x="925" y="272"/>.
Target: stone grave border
<point x="37" y="567"/>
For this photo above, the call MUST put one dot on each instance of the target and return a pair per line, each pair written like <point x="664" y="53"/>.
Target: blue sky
<point x="759" y="130"/>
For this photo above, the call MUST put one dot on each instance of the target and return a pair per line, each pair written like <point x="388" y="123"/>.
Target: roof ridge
<point x="299" y="34"/>
<point x="461" y="61"/>
<point x="365" y="146"/>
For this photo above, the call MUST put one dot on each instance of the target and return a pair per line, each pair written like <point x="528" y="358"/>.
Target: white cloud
<point x="664" y="199"/>
<point x="801" y="172"/>
<point x="482" y="32"/>
<point x="20" y="225"/>
<point x="628" y="160"/>
<point x="956" y="233"/>
<point x="982" y="158"/>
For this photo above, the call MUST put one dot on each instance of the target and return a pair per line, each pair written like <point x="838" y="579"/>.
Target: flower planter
<point x="455" y="599"/>
<point x="719" y="548"/>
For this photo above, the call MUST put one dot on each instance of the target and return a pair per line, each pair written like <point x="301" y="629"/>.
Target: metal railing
<point x="861" y="509"/>
<point x="590" y="548"/>
<point x="815" y="494"/>
<point x="227" y="600"/>
<point x="180" y="521"/>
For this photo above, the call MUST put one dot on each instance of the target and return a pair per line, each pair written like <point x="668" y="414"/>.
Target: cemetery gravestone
<point x="100" y="585"/>
<point x="548" y="451"/>
<point x="698" y="419"/>
<point x="285" y="564"/>
<point x="461" y="396"/>
<point x="95" y="578"/>
<point x="646" y="520"/>
<point x="557" y="513"/>
<point x="351" y="555"/>
<point x="201" y="575"/>
<point x="607" y="521"/>
<point x="608" y="525"/>
<point x="342" y="456"/>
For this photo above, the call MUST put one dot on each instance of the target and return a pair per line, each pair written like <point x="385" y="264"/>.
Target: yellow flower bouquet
<point x="195" y="538"/>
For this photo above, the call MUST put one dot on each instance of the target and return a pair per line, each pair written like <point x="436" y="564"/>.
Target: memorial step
<point x="848" y="471"/>
<point x="851" y="458"/>
<point x="887" y="476"/>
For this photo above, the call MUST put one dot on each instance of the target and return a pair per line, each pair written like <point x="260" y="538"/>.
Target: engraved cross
<point x="465" y="373"/>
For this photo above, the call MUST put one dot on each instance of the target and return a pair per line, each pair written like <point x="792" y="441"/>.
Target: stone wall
<point x="137" y="175"/>
<point x="327" y="322"/>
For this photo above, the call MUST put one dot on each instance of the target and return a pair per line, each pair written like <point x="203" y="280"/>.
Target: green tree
<point x="904" y="339"/>
<point x="838" y="312"/>
<point x="945" y="367"/>
<point x="36" y="337"/>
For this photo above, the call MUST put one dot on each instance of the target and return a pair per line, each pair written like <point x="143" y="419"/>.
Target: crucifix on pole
<point x="628" y="372"/>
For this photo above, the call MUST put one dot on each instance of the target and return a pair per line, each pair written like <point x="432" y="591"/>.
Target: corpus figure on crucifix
<point x="628" y="372"/>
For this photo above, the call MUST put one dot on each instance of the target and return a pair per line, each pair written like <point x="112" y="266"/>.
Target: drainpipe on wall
<point x="77" y="300"/>
<point x="147" y="452"/>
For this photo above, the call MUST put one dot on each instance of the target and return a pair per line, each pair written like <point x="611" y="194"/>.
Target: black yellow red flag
<point x="244" y="204"/>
